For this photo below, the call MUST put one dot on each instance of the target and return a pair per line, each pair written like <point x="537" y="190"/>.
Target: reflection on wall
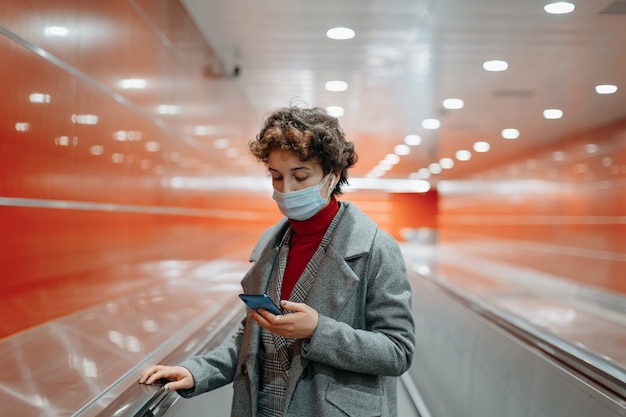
<point x="560" y="210"/>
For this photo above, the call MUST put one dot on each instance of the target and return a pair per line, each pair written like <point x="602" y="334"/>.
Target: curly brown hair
<point x="311" y="134"/>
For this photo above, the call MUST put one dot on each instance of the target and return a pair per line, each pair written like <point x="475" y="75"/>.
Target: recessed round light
<point x="482" y="146"/>
<point x="335" y="111"/>
<point x="495" y="65"/>
<point x="559" y="7"/>
<point x="446" y="163"/>
<point x="606" y="89"/>
<point x="392" y="158"/>
<point x="434" y="168"/>
<point x="463" y="155"/>
<point x="453" y="103"/>
<point x="423" y="173"/>
<point x="340" y="33"/>
<point x="510" y="133"/>
<point x="402" y="149"/>
<point x="336" y="85"/>
<point x="553" y="113"/>
<point x="412" y="140"/>
<point x="431" y="124"/>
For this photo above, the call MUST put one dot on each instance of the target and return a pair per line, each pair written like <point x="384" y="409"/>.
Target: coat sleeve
<point x="214" y="369"/>
<point x="385" y="345"/>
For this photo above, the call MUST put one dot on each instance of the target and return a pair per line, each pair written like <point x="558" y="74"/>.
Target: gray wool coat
<point x="363" y="340"/>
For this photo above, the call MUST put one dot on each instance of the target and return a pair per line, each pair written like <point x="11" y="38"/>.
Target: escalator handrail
<point x="604" y="374"/>
<point x="137" y="400"/>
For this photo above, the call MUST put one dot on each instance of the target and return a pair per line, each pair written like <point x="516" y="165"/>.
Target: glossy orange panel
<point x="91" y="173"/>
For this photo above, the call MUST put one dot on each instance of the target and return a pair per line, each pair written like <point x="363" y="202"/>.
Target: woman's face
<point x="290" y="174"/>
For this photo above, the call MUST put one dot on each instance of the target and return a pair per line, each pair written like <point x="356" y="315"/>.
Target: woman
<point x="347" y="331"/>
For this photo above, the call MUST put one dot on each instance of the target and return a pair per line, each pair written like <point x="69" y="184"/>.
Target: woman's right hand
<point x="181" y="377"/>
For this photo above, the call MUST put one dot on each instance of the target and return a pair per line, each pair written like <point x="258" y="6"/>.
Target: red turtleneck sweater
<point x="306" y="237"/>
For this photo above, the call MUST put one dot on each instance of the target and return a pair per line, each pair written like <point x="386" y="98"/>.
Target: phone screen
<point x="256" y="301"/>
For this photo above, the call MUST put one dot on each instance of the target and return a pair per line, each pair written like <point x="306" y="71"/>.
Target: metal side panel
<point x="467" y="366"/>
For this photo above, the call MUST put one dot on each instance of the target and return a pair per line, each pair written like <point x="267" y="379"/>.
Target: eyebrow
<point x="292" y="169"/>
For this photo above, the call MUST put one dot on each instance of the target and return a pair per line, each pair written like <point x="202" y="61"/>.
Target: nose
<point x="287" y="187"/>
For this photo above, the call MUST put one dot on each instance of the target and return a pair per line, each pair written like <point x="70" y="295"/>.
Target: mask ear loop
<point x="331" y="187"/>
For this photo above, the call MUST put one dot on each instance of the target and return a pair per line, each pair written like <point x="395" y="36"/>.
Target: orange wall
<point x="85" y="207"/>
<point x="559" y="210"/>
<point x="92" y="211"/>
<point x="401" y="214"/>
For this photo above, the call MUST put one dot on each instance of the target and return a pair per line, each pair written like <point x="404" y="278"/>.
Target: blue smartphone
<point x="256" y="301"/>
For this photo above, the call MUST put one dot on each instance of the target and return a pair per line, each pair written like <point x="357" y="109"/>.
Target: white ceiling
<point x="410" y="55"/>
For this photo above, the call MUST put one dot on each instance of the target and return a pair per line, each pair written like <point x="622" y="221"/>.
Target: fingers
<point x="264" y="318"/>
<point x="299" y="324"/>
<point x="176" y="385"/>
<point x="291" y="306"/>
<point x="151" y="374"/>
<point x="179" y="376"/>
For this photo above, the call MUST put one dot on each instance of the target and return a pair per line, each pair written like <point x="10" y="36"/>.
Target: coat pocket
<point x="354" y="402"/>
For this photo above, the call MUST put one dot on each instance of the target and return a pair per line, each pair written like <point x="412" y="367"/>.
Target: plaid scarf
<point x="277" y="350"/>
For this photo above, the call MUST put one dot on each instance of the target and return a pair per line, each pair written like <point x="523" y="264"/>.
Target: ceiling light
<point x="495" y="65"/>
<point x="606" y="89"/>
<point x="392" y="158"/>
<point x="376" y="172"/>
<point x="591" y="148"/>
<point x="431" y="124"/>
<point x="453" y="103"/>
<point x="412" y="140"/>
<point x="385" y="165"/>
<point x="423" y="173"/>
<point x="446" y="163"/>
<point x="434" y="168"/>
<point x="552" y="113"/>
<point x="389" y="185"/>
<point x="482" y="146"/>
<point x="559" y="7"/>
<point x="340" y="33"/>
<point x="463" y="155"/>
<point x="402" y="150"/>
<point x="510" y="133"/>
<point x="336" y="85"/>
<point x="335" y="111"/>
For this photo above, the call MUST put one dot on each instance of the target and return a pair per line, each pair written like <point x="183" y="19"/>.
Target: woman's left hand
<point x="299" y="324"/>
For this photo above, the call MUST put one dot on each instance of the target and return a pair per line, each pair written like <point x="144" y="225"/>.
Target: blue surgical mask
<point x="305" y="203"/>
